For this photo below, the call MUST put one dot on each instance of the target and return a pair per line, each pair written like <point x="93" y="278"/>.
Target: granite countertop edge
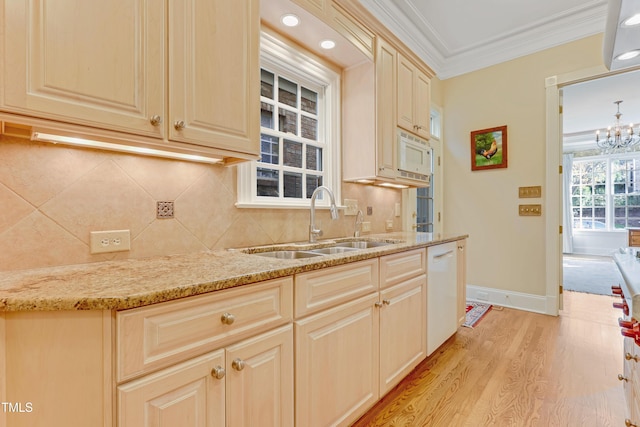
<point x="127" y="284"/>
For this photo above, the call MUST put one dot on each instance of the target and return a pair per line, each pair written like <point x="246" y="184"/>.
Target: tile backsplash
<point x="52" y="197"/>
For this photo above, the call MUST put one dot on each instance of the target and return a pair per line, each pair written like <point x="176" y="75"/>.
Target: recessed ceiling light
<point x="327" y="44"/>
<point x="290" y="20"/>
<point x="628" y="55"/>
<point x="634" y="20"/>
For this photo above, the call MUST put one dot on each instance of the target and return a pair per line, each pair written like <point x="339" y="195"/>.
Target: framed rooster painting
<point x="489" y="148"/>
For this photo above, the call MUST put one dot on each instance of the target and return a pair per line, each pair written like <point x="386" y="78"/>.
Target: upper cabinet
<point x="414" y="97"/>
<point x="183" y="72"/>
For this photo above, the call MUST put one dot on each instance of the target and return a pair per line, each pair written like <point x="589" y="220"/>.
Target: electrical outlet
<point x="366" y="227"/>
<point x="110" y="241"/>
<point x="389" y="224"/>
<point x="350" y="207"/>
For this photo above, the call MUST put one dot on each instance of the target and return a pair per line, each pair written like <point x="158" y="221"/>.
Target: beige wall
<point x="505" y="251"/>
<point x="53" y="196"/>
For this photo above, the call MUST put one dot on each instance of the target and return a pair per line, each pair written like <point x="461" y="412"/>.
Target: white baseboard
<point x="510" y="299"/>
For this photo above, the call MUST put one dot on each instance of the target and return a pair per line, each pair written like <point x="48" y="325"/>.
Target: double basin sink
<point x="336" y="248"/>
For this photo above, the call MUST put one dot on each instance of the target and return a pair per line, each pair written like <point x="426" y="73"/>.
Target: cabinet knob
<point x="622" y="377"/>
<point x="218" y="372"/>
<point x="628" y="423"/>
<point x="386" y="301"/>
<point x="155" y="120"/>
<point x="228" y="318"/>
<point x="238" y="364"/>
<point x="628" y="356"/>
<point x="179" y="124"/>
<point x="378" y="304"/>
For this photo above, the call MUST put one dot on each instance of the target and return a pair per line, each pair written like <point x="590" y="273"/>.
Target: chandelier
<point x="618" y="137"/>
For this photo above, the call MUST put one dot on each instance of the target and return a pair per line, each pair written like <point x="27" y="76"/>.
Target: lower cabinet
<point x="403" y="320"/>
<point x="352" y="353"/>
<point x="247" y="384"/>
<point x="337" y="363"/>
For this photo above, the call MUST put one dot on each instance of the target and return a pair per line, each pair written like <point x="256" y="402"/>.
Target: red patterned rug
<point x="475" y="312"/>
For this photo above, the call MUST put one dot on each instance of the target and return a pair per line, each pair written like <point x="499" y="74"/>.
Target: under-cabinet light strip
<point x="90" y="143"/>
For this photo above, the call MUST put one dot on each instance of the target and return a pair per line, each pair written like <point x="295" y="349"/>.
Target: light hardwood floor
<point x="517" y="368"/>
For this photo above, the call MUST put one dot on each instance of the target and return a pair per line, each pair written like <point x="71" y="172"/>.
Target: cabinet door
<point x="185" y="395"/>
<point x="260" y="380"/>
<point x="406" y="76"/>
<point x="385" y="104"/>
<point x="403" y="330"/>
<point x="76" y="62"/>
<point x="337" y="363"/>
<point x="461" y="264"/>
<point x="214" y="73"/>
<point x="414" y="98"/>
<point x="422" y="105"/>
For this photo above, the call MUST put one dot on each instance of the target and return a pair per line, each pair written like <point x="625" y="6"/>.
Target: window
<point x="425" y="201"/>
<point x="605" y="194"/>
<point x="299" y="136"/>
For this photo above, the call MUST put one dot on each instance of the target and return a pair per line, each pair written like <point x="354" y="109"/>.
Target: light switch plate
<point x="530" y="192"/>
<point x="350" y="207"/>
<point x="530" y="210"/>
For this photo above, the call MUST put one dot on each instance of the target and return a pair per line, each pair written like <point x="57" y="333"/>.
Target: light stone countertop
<point x="120" y="285"/>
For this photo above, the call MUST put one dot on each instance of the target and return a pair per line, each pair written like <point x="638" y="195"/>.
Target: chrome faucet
<point x="358" y="227"/>
<point x="313" y="231"/>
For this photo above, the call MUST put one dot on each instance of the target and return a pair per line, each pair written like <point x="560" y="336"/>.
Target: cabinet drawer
<point x="634" y="237"/>
<point x="153" y="337"/>
<point x="317" y="290"/>
<point x="399" y="267"/>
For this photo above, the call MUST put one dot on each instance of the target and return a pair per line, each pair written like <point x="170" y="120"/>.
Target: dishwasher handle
<point x="442" y="255"/>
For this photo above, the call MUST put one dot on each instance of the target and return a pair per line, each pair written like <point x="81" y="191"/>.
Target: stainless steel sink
<point x="333" y="250"/>
<point x="288" y="254"/>
<point x="362" y="244"/>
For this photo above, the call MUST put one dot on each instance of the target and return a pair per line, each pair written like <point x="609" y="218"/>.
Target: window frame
<point x="304" y="68"/>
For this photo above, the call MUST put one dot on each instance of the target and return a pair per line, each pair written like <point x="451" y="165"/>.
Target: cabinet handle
<point x="622" y="377"/>
<point x="155" y="120"/>
<point x="628" y="423"/>
<point x="228" y="318"/>
<point x="238" y="364"/>
<point x="218" y="372"/>
<point x="378" y="304"/>
<point x="628" y="356"/>
<point x="386" y="301"/>
<point x="179" y="124"/>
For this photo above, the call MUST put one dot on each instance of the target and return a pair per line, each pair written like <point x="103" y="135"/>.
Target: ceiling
<point x="486" y="33"/>
<point x="458" y="36"/>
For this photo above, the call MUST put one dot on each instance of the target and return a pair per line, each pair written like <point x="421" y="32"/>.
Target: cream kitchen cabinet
<point x="337" y="363"/>
<point x="403" y="316"/>
<point x="461" y="277"/>
<point x="182" y="73"/>
<point x="336" y="339"/>
<point x="414" y="98"/>
<point x="249" y="383"/>
<point x="366" y="332"/>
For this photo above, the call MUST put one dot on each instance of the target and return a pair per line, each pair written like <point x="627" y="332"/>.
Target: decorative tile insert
<point x="165" y="210"/>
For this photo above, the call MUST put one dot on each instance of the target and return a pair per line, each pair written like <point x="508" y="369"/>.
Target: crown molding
<point x="566" y="27"/>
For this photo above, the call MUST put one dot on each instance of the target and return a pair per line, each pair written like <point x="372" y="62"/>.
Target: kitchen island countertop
<point x="120" y="285"/>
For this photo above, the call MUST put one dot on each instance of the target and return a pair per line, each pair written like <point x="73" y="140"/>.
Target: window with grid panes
<point x="605" y="194"/>
<point x="299" y="135"/>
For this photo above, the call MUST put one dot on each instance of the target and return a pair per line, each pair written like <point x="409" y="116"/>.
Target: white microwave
<point x="414" y="157"/>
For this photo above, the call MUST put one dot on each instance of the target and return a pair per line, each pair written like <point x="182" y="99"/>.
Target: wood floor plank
<point x="517" y="368"/>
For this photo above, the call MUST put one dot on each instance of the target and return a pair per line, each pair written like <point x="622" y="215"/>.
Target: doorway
<point x="597" y="188"/>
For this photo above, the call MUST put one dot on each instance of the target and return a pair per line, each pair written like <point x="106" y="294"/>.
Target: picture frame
<point x="489" y="148"/>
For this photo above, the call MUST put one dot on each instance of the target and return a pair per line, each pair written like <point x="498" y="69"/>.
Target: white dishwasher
<point x="442" y="318"/>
